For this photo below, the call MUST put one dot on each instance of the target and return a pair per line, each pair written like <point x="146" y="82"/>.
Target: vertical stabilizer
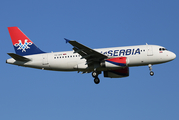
<point x="22" y="44"/>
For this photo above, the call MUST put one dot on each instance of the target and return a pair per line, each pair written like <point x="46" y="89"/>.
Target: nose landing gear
<point x="150" y="68"/>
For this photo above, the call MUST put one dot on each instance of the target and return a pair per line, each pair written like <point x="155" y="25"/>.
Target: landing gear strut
<point x="150" y="68"/>
<point x="95" y="75"/>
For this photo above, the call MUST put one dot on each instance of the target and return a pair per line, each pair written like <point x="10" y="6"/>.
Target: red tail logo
<point x="22" y="44"/>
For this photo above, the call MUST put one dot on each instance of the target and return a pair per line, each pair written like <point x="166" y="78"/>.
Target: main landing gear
<point x="150" y="68"/>
<point x="95" y="75"/>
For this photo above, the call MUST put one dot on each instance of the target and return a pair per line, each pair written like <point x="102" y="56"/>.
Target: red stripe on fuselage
<point x="118" y="60"/>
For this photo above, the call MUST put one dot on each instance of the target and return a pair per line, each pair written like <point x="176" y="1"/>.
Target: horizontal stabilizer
<point x="18" y="57"/>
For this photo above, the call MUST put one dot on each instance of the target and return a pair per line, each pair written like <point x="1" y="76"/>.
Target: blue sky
<point x="27" y="93"/>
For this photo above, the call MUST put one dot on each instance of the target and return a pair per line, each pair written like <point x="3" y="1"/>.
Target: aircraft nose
<point x="173" y="56"/>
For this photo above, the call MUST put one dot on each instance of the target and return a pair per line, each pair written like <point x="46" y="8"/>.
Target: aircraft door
<point x="45" y="60"/>
<point x="149" y="50"/>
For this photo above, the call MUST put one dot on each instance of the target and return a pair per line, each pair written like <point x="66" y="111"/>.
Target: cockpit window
<point x="162" y="49"/>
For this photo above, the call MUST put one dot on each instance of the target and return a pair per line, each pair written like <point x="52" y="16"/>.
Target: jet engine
<point x="119" y="73"/>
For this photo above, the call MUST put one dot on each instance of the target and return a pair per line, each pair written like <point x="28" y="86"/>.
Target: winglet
<point x="67" y="41"/>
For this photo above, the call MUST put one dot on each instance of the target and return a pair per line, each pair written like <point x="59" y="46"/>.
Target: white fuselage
<point x="70" y="61"/>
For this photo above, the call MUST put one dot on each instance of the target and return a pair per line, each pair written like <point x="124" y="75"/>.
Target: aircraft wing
<point x="87" y="53"/>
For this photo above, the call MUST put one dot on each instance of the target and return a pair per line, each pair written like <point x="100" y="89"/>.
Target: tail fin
<point x="22" y="44"/>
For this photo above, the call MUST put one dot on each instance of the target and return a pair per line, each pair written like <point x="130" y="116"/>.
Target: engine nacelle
<point x="115" y="62"/>
<point x="119" y="73"/>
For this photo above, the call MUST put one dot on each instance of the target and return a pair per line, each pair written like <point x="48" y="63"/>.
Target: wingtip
<point x="67" y="41"/>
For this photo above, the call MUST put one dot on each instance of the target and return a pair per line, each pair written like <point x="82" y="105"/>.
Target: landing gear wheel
<point x="96" y="80"/>
<point x="150" y="68"/>
<point x="151" y="73"/>
<point x="94" y="74"/>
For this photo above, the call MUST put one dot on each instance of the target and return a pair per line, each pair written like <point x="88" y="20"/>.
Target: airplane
<point x="114" y="62"/>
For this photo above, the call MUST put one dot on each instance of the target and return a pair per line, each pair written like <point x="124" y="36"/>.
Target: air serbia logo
<point x="121" y="52"/>
<point x="22" y="46"/>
